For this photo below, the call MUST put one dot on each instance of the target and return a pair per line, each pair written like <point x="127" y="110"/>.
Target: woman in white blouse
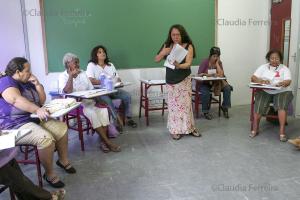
<point x="73" y="79"/>
<point x="100" y="63"/>
<point x="276" y="74"/>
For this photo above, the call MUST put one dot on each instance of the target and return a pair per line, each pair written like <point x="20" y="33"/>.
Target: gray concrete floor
<point x="223" y="164"/>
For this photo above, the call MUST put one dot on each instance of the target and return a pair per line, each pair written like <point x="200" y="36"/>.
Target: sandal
<point x="104" y="147"/>
<point x="68" y="167"/>
<point x="195" y="133"/>
<point x="253" y="134"/>
<point x="176" y="136"/>
<point x="54" y="181"/>
<point x="208" y="116"/>
<point x="131" y="123"/>
<point x="59" y="194"/>
<point x="115" y="148"/>
<point x="120" y="129"/>
<point x="283" y="138"/>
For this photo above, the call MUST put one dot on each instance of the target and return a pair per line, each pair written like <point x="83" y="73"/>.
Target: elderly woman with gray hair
<point x="73" y="79"/>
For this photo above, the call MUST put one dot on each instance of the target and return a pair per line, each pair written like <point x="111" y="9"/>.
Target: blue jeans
<point x="126" y="100"/>
<point x="205" y="97"/>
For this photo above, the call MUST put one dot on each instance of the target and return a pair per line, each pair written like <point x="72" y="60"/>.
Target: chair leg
<point x="220" y="99"/>
<point x="38" y="166"/>
<point x="163" y="108"/>
<point x="80" y="131"/>
<point x="141" y="100"/>
<point x="147" y="112"/>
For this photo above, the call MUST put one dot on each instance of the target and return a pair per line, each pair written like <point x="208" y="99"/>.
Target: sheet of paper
<point x="169" y="62"/>
<point x="205" y="78"/>
<point x="211" y="71"/>
<point x="154" y="82"/>
<point x="271" y="87"/>
<point x="7" y="140"/>
<point x="61" y="112"/>
<point x="178" y="53"/>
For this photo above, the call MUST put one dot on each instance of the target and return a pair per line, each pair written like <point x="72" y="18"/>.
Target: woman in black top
<point x="179" y="85"/>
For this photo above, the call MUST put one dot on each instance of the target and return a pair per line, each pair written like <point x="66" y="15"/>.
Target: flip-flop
<point x="59" y="194"/>
<point x="115" y="149"/>
<point x="253" y="134"/>
<point x="283" y="138"/>
<point x="104" y="147"/>
<point x="176" y="136"/>
<point x="195" y="133"/>
<point x="131" y="123"/>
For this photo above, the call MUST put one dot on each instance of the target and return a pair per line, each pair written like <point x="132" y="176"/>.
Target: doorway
<point x="281" y="27"/>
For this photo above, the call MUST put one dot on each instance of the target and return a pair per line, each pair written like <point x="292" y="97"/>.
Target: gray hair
<point x="69" y="57"/>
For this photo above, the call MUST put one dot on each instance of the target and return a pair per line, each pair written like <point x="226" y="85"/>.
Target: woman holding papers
<point x="179" y="85"/>
<point x="21" y="94"/>
<point x="276" y="74"/>
<point x="72" y="80"/>
<point x="100" y="64"/>
<point x="212" y="67"/>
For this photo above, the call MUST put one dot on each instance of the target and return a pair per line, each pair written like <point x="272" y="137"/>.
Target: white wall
<point x="243" y="47"/>
<point x="11" y="35"/>
<point x="243" y="44"/>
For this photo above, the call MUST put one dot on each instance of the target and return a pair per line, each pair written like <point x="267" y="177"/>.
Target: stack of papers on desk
<point x="154" y="82"/>
<point x="88" y="93"/>
<point x="59" y="107"/>
<point x="264" y="86"/>
<point x="204" y="78"/>
<point x="59" y="104"/>
<point x="121" y="84"/>
<point x="178" y="53"/>
<point x="8" y="138"/>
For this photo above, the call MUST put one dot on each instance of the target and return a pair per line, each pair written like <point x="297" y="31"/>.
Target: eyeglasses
<point x="274" y="58"/>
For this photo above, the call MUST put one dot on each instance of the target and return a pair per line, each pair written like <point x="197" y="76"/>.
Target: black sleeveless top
<point x="177" y="75"/>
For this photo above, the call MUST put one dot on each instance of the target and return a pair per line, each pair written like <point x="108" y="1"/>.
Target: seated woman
<point x="276" y="74"/>
<point x="22" y="94"/>
<point x="73" y="79"/>
<point x="12" y="177"/>
<point x="99" y="63"/>
<point x="212" y="67"/>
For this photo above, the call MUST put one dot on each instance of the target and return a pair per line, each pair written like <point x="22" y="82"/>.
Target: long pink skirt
<point x="180" y="118"/>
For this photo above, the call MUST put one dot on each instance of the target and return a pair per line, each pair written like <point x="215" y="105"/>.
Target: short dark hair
<point x="94" y="58"/>
<point x="214" y="51"/>
<point x="278" y="52"/>
<point x="185" y="38"/>
<point x="15" y="64"/>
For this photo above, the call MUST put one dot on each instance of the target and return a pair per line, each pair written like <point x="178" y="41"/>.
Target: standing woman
<point x="179" y="85"/>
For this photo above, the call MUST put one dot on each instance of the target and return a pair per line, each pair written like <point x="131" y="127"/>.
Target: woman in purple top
<point x="22" y="94"/>
<point x="212" y="67"/>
